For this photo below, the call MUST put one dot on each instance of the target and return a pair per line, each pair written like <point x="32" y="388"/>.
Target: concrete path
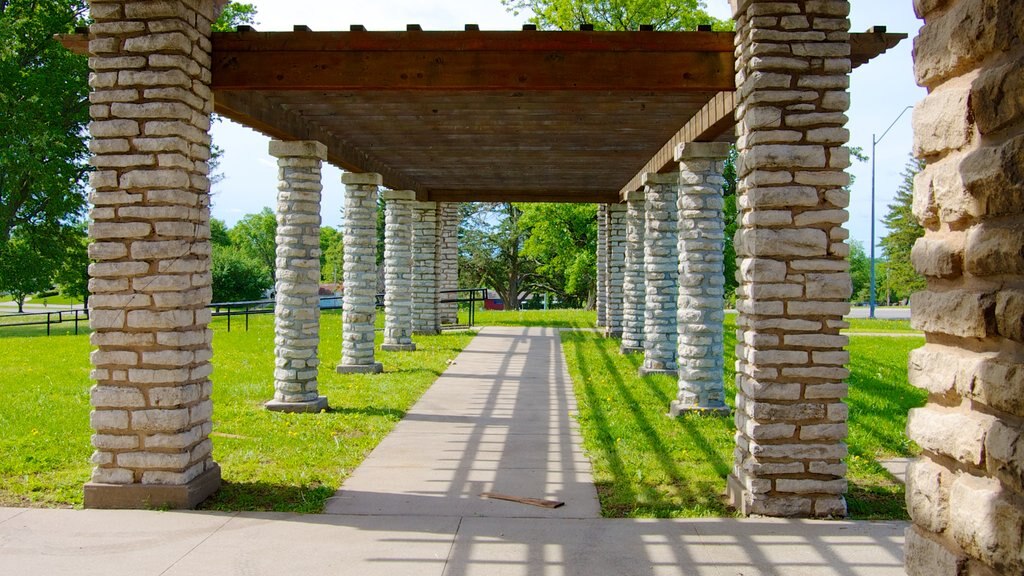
<point x="498" y="420"/>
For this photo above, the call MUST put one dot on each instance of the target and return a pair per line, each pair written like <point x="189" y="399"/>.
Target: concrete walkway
<point x="498" y="420"/>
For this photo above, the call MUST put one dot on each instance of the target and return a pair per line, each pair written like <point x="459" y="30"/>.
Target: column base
<point x="737" y="495"/>
<point x="375" y="368"/>
<point x="313" y="406"/>
<point x="398" y="347"/>
<point x="783" y="506"/>
<point x="630" y="349"/>
<point x="642" y="371"/>
<point x="610" y="333"/>
<point x="153" y="496"/>
<point x="677" y="408"/>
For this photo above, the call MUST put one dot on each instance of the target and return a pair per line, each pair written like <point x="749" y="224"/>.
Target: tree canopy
<point x="617" y="14"/>
<point x="904" y="230"/>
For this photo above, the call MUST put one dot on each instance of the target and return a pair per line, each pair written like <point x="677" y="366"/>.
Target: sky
<point x="880" y="91"/>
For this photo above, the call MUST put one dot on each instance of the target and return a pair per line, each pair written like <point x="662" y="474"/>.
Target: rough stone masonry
<point x="965" y="493"/>
<point x="633" y="291"/>
<point x="792" y="74"/>
<point x="150" y="282"/>
<point x="359" y="310"/>
<point x="661" y="270"/>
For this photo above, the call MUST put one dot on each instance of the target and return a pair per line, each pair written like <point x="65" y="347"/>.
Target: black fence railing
<point x="48" y="319"/>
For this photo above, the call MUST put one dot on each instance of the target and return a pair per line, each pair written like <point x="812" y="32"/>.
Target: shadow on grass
<point x="389" y="413"/>
<point x="267" y="497"/>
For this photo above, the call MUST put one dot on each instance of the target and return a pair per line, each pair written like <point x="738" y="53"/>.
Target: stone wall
<point x="792" y="71"/>
<point x="398" y="270"/>
<point x="602" y="265"/>
<point x="616" y="268"/>
<point x="297" y="309"/>
<point x="448" y="260"/>
<point x="359" y="309"/>
<point x="150" y="282"/>
<point x="425" y="318"/>
<point x="966" y="492"/>
<point x="661" y="272"/>
<point x="633" y="291"/>
<point x="701" y="305"/>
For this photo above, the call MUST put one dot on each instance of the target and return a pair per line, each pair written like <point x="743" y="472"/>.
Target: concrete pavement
<point x="498" y="420"/>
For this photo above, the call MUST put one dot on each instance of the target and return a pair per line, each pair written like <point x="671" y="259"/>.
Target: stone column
<point x="297" y="311"/>
<point x="616" y="269"/>
<point x="359" y="311"/>
<point x="633" y="283"/>
<point x="398" y="271"/>
<point x="150" y="282"/>
<point x="792" y="70"/>
<point x="701" y="354"/>
<point x="661" y="266"/>
<point x="602" y="265"/>
<point x="424" y="269"/>
<point x="448" y="260"/>
<point x="965" y="492"/>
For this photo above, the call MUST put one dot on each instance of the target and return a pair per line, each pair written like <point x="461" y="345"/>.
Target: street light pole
<point x="874" y="142"/>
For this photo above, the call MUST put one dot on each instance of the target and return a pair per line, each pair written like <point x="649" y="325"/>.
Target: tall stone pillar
<point x="633" y="283"/>
<point x="701" y="309"/>
<point x="792" y="69"/>
<point x="602" y="265"/>
<point x="661" y="266"/>
<point x="398" y="271"/>
<point x="425" y="318"/>
<point x="359" y="304"/>
<point x="965" y="494"/>
<point x="448" y="260"/>
<point x="150" y="282"/>
<point x="616" y="269"/>
<point x="297" y="311"/>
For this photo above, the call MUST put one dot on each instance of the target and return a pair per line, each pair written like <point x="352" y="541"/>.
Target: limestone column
<point x="616" y="271"/>
<point x="150" y="282"/>
<point x="602" y="265"/>
<point x="701" y="309"/>
<point x="633" y="283"/>
<point x="297" y="310"/>
<point x="448" y="260"/>
<point x="424" y="269"/>
<point x="398" y="271"/>
<point x="792" y="69"/>
<point x="661" y="266"/>
<point x="965" y="492"/>
<point x="359" y="311"/>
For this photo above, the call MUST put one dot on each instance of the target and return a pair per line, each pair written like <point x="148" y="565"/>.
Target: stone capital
<point x="364" y="179"/>
<point x="424" y="206"/>
<point x="617" y="207"/>
<point x="660" y="178"/>
<point x="390" y="195"/>
<point x="298" y="149"/>
<point x="634" y="196"/>
<point x="702" y="150"/>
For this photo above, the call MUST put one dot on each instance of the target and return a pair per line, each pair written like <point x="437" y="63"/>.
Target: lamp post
<point x="874" y="142"/>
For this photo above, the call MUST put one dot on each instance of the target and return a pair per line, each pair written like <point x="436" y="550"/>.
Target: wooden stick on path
<point x="521" y="500"/>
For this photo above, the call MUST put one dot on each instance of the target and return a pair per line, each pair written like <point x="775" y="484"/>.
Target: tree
<point x="219" y="233"/>
<point x="255" y="236"/>
<point x="234" y="15"/>
<point x="332" y="254"/>
<point x="491" y="243"/>
<point x="44" y="109"/>
<point x="904" y="230"/>
<point x="562" y="239"/>
<point x="72" y="271"/>
<point x="26" y="267"/>
<point x="860" y="271"/>
<point x="237" y="277"/>
<point x="730" y="213"/>
<point x="616" y="14"/>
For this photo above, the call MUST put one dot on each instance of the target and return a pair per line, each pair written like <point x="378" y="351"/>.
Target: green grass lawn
<point x="879" y="325"/>
<point x="547" y="318"/>
<point x="649" y="465"/>
<point x="270" y="461"/>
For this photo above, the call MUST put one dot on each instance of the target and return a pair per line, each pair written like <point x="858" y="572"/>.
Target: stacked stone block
<point x="602" y="265"/>
<point x="965" y="494"/>
<point x="701" y="354"/>
<point x="615" y="273"/>
<point x="150" y="282"/>
<point x="792" y="74"/>
<point x="398" y="271"/>
<point x="448" y="261"/>
<point x="633" y="283"/>
<point x="359" y="310"/>
<point x="661" y="268"/>
<point x="425" y="298"/>
<point x="297" y="309"/>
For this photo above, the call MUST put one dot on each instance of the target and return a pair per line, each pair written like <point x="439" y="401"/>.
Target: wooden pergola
<point x="489" y="116"/>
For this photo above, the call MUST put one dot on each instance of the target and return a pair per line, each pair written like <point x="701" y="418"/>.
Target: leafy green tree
<point x="72" y="272"/>
<point x="219" y="233"/>
<point x="860" y="272"/>
<point x="491" y="242"/>
<point x="255" y="236"/>
<point x="616" y="14"/>
<point x="44" y="109"/>
<point x="904" y="230"/>
<point x="238" y="277"/>
<point x="730" y="213"/>
<point x="234" y="15"/>
<point x="27" y="267"/>
<point x="332" y="253"/>
<point x="562" y="239"/>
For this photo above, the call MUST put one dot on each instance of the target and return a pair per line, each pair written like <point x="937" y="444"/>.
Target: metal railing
<point x="48" y="319"/>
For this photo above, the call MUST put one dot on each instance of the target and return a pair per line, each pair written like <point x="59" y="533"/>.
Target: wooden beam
<point x="573" y="61"/>
<point x="252" y="110"/>
<point x="474" y="195"/>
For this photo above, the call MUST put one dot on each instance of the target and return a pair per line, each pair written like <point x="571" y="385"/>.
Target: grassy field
<point x="646" y="464"/>
<point x="271" y="461"/>
<point x="879" y="325"/>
